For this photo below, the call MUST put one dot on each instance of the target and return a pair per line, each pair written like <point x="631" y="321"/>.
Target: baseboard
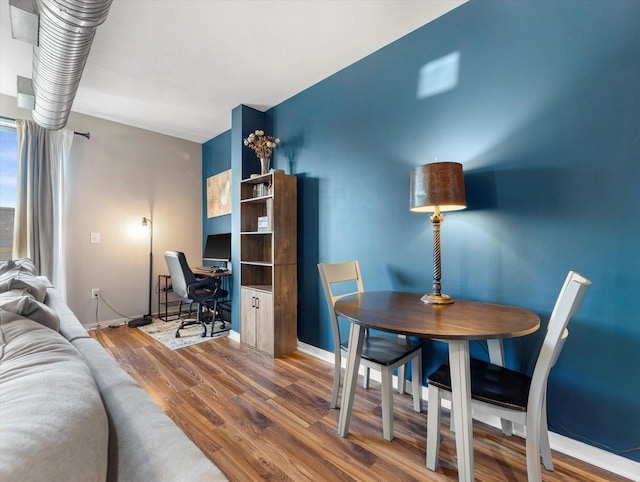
<point x="574" y="448"/>
<point x="107" y="324"/>
<point x="578" y="450"/>
<point x="593" y="455"/>
<point x="234" y="335"/>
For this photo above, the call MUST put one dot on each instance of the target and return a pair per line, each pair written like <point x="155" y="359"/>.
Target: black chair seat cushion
<point x="490" y="383"/>
<point x="205" y="290"/>
<point x="386" y="350"/>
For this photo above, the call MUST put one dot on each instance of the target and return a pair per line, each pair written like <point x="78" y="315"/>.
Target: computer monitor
<point x="218" y="247"/>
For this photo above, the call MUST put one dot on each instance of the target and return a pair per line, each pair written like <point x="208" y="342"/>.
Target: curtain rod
<point x="83" y="134"/>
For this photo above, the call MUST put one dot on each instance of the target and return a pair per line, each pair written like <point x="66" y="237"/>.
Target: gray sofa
<point x="68" y="412"/>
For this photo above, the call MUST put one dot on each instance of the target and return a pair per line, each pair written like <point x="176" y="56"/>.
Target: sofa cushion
<point x="53" y="425"/>
<point x="24" y="263"/>
<point x="7" y="266"/>
<point x="21" y="279"/>
<point x="22" y="303"/>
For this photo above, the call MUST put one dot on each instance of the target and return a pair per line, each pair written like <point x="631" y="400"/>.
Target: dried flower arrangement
<point x="262" y="145"/>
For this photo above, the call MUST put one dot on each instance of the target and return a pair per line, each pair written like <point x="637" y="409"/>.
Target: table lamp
<point x="437" y="187"/>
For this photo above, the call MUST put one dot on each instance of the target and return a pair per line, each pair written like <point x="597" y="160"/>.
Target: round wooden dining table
<point x="455" y="324"/>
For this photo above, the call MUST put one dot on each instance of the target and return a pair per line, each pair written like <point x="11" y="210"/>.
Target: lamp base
<point x="145" y="320"/>
<point x="440" y="299"/>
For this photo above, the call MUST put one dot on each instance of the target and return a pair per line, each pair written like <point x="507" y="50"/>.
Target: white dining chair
<point x="380" y="352"/>
<point x="511" y="395"/>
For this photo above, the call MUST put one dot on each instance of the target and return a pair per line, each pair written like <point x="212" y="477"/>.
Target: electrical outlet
<point x="95" y="293"/>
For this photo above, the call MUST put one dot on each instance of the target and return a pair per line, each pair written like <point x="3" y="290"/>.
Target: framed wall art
<point x="219" y="194"/>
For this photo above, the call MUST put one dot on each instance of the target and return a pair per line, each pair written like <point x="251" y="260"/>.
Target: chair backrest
<point x="568" y="303"/>
<point x="330" y="274"/>
<point x="181" y="274"/>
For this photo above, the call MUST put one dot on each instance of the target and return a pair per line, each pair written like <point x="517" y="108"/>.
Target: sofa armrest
<point x="144" y="443"/>
<point x="70" y="326"/>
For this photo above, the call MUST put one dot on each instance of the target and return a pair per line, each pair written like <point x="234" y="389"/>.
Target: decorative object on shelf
<point x="264" y="165"/>
<point x="437" y="187"/>
<point x="263" y="146"/>
<point x="263" y="224"/>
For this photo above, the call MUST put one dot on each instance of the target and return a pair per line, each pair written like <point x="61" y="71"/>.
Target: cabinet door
<point x="264" y="322"/>
<point x="247" y="316"/>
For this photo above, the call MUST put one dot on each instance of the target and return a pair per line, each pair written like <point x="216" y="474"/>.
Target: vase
<point x="264" y="165"/>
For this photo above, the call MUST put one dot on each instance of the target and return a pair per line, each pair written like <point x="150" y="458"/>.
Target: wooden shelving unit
<point x="268" y="263"/>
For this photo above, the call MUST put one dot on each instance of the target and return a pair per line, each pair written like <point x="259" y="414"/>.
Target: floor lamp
<point x="437" y="187"/>
<point x="148" y="318"/>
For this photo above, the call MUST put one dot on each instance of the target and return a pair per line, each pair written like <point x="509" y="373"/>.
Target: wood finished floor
<point x="263" y="419"/>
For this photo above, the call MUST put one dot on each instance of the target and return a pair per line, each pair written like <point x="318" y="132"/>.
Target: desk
<point x="206" y="272"/>
<point x="456" y="324"/>
<point x="223" y="276"/>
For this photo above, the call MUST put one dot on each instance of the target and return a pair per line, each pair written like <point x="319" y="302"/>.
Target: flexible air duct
<point x="66" y="31"/>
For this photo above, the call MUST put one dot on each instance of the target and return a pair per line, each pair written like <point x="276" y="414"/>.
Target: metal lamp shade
<point x="439" y="184"/>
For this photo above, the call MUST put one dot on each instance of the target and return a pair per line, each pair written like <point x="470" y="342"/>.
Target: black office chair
<point x="205" y="291"/>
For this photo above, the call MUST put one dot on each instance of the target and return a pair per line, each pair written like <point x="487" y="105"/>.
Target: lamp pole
<point x="146" y="319"/>
<point x="436" y="296"/>
<point x="146" y="220"/>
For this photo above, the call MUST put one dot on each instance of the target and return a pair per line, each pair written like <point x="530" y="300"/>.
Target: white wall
<point x="118" y="176"/>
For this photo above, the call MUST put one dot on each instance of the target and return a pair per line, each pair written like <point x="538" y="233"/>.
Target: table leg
<point x="496" y="356"/>
<point x="461" y="405"/>
<point x="356" y="339"/>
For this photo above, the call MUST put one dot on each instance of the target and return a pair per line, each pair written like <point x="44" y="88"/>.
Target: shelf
<point x="251" y="210"/>
<point x="258" y="179"/>
<point x="256" y="273"/>
<point x="257" y="263"/>
<point x="256" y="199"/>
<point x="265" y="288"/>
<point x="257" y="189"/>
<point x="251" y="233"/>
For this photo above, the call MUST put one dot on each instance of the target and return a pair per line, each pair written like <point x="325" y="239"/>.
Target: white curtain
<point x="39" y="231"/>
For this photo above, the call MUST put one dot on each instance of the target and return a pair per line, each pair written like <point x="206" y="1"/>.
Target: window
<point x="8" y="181"/>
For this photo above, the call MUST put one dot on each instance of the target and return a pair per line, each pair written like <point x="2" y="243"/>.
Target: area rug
<point x="165" y="333"/>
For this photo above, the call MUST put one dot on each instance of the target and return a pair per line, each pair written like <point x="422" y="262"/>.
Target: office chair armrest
<point x="201" y="290"/>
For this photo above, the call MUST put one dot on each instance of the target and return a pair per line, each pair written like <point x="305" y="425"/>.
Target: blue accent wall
<point x="544" y="114"/>
<point x="216" y="158"/>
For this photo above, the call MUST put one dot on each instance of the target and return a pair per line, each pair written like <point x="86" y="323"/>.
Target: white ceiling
<point x="179" y="67"/>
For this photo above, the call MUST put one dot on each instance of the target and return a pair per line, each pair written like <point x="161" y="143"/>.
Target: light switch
<point x="95" y="238"/>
